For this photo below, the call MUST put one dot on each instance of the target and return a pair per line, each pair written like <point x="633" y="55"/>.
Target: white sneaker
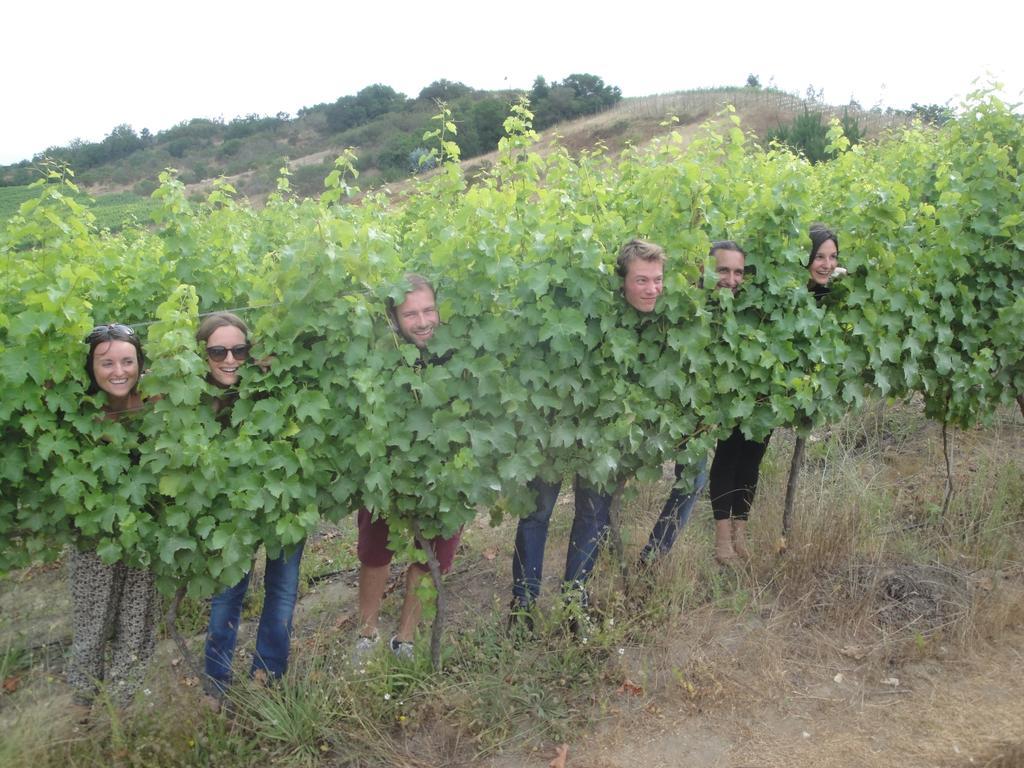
<point x="401" y="649"/>
<point x="364" y="650"/>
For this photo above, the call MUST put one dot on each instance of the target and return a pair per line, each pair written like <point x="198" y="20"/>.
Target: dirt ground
<point x="722" y="690"/>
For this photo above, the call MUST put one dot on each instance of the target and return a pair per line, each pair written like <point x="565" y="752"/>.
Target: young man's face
<point x="417" y="316"/>
<point x="729" y="269"/>
<point x="643" y="284"/>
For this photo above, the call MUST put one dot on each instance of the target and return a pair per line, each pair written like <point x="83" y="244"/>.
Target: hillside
<point x="249" y="152"/>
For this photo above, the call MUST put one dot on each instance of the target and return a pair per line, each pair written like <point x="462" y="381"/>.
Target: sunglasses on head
<point x="219" y="354"/>
<point x="115" y="331"/>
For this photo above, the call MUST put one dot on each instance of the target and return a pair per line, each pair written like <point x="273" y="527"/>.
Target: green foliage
<point x="371" y="102"/>
<point x="444" y="90"/>
<point x="119" y="143"/>
<point x="393" y="158"/>
<point x="934" y="114"/>
<point x="481" y="125"/>
<point x="178" y="147"/>
<point x="241" y="127"/>
<point x="546" y="371"/>
<point x="196" y="130"/>
<point x="579" y="94"/>
<point x="11" y="199"/>
<point x="808" y="134"/>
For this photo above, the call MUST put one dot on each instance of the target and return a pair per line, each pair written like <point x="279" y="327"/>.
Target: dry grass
<point x="868" y="642"/>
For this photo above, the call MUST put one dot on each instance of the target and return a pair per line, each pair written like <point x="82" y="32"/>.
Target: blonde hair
<point x="637" y="249"/>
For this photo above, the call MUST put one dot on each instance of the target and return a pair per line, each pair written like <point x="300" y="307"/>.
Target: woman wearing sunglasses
<point x="114" y="607"/>
<point x="226" y="340"/>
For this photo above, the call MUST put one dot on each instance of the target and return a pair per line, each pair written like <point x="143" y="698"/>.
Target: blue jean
<point x="675" y="514"/>
<point x="589" y="527"/>
<point x="273" y="638"/>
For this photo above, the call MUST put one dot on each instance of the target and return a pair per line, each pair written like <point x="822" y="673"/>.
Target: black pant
<point x="734" y="475"/>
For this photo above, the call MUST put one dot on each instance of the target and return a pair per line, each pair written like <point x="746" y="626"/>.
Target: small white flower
<point x="622" y="651"/>
<point x="147" y="692"/>
<point x="387" y="697"/>
<point x="611" y="622"/>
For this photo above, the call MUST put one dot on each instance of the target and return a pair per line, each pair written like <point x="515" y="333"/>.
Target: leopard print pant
<point x="115" y="606"/>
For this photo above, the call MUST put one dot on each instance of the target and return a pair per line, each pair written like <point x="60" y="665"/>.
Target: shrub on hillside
<point x="308" y="180"/>
<point x="420" y="159"/>
<point x="481" y="124"/>
<point x="145" y="187"/>
<point x="371" y="102"/>
<point x="237" y="166"/>
<point x="934" y="114"/>
<point x="178" y="147"/>
<point x="241" y="127"/>
<point x="444" y="90"/>
<point x="579" y="94"/>
<point x="393" y="158"/>
<point x="229" y="148"/>
<point x="808" y="134"/>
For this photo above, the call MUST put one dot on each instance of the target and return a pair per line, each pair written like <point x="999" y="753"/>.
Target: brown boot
<point x="739" y="539"/>
<point x="724" y="552"/>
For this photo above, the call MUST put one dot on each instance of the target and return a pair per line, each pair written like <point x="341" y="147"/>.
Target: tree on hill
<point x="198" y="129"/>
<point x="241" y="127"/>
<point x="371" y="102"/>
<point x="481" y="124"/>
<point x="577" y="94"/>
<point x="540" y="90"/>
<point x="81" y="155"/>
<point x="189" y="136"/>
<point x="444" y="90"/>
<point x="591" y="91"/>
<point x="120" y="142"/>
<point x="808" y="134"/>
<point x="935" y="114"/>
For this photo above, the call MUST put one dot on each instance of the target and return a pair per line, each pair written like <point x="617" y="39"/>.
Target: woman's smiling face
<point x="824" y="263"/>
<point x="225" y="372"/>
<point x="115" y="365"/>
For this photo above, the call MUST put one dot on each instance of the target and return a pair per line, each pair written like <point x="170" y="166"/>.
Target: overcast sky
<point x="76" y="69"/>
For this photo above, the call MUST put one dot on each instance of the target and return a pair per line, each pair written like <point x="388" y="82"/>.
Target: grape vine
<point x="548" y="372"/>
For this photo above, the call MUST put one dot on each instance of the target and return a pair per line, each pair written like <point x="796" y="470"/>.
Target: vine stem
<point x="794" y="476"/>
<point x="437" y="628"/>
<point x="615" y="526"/>
<point x="171" y="620"/>
<point x="949" y="467"/>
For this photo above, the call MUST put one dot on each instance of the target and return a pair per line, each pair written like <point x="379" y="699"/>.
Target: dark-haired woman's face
<point x="824" y="263"/>
<point x="115" y="366"/>
<point x="225" y="372"/>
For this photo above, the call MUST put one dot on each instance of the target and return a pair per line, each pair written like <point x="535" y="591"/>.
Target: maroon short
<point x="373" y="544"/>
